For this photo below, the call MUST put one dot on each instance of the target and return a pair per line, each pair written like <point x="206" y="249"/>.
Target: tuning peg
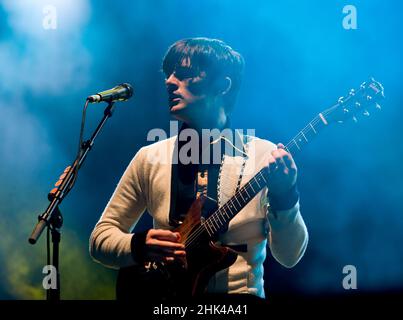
<point x="366" y="113"/>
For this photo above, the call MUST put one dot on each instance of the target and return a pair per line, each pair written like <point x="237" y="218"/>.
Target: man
<point x="202" y="79"/>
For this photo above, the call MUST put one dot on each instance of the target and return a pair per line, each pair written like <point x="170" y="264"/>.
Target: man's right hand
<point x="163" y="245"/>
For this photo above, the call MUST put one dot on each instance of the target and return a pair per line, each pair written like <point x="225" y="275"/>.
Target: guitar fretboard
<point x="220" y="218"/>
<point x="306" y="134"/>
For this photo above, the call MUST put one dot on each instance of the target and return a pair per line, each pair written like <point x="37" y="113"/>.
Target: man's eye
<point x="185" y="73"/>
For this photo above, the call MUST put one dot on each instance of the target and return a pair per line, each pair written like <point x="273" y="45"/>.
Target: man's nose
<point x="171" y="80"/>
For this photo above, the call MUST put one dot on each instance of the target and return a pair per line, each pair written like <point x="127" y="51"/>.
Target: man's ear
<point x="227" y="85"/>
<point x="222" y="86"/>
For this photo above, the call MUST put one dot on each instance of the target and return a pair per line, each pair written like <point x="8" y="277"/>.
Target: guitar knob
<point x="366" y="113"/>
<point x="358" y="105"/>
<point x="369" y="98"/>
<point x="352" y="92"/>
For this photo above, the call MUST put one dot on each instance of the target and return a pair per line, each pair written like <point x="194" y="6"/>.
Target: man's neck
<point x="219" y="121"/>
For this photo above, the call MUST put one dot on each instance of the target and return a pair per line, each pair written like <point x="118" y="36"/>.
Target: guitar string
<point x="201" y="228"/>
<point x="308" y="128"/>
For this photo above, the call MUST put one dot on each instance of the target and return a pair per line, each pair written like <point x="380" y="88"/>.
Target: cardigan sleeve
<point x="110" y="241"/>
<point x="288" y="236"/>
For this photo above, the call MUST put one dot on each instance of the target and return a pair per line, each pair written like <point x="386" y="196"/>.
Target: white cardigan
<point x="146" y="184"/>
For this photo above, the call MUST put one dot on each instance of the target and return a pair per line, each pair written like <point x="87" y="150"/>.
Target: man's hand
<point x="282" y="171"/>
<point x="163" y="245"/>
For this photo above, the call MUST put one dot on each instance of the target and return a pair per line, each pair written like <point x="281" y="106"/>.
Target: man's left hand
<point x="282" y="171"/>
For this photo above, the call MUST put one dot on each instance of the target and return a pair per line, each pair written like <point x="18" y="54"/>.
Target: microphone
<point x="121" y="92"/>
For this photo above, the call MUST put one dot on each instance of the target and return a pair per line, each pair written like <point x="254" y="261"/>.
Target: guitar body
<point x="184" y="278"/>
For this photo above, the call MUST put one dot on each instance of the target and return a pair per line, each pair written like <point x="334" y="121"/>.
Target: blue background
<point x="299" y="60"/>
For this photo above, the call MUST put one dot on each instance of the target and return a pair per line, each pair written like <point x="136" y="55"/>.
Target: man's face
<point x="187" y="91"/>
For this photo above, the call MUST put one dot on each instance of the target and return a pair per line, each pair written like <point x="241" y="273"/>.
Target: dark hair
<point x="213" y="56"/>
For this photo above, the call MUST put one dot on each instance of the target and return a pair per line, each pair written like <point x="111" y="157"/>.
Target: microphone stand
<point x="52" y="217"/>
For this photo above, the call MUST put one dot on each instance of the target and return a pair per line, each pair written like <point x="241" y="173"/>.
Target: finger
<point x="282" y="157"/>
<point x="284" y="149"/>
<point x="171" y="238"/>
<point x="272" y="165"/>
<point x="280" y="163"/>
<point x="270" y="159"/>
<point x="279" y="152"/>
<point x="276" y="153"/>
<point x="167" y="252"/>
<point x="180" y="253"/>
<point x="289" y="162"/>
<point x="280" y="146"/>
<point x="165" y="244"/>
<point x="167" y="235"/>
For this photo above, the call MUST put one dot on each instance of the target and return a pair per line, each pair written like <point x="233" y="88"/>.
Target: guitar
<point x="189" y="276"/>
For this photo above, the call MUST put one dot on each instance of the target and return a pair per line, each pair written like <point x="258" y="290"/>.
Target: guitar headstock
<point x="357" y="102"/>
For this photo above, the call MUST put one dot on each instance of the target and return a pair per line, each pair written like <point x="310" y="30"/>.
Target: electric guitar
<point x="189" y="276"/>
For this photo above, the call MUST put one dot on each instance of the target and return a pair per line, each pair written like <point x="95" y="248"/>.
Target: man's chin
<point x="176" y="108"/>
<point x="178" y="113"/>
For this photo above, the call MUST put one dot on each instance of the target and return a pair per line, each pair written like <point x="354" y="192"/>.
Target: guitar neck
<point x="220" y="218"/>
<point x="304" y="136"/>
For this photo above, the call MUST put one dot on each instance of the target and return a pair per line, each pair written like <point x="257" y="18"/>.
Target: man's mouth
<point x="174" y="99"/>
